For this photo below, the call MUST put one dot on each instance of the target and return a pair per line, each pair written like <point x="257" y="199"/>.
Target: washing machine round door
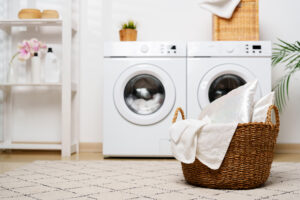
<point x="222" y="79"/>
<point x="144" y="94"/>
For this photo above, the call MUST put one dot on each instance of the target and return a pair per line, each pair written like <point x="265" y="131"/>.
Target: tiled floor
<point x="15" y="159"/>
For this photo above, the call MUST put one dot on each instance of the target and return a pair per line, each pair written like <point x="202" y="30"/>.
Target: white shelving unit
<point x="30" y="22"/>
<point x="68" y="87"/>
<point x="7" y="23"/>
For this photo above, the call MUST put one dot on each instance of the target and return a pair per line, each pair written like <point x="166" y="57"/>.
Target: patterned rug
<point x="132" y="180"/>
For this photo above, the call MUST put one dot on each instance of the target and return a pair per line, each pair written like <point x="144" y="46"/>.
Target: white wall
<point x="183" y="21"/>
<point x="90" y="73"/>
<point x="280" y="19"/>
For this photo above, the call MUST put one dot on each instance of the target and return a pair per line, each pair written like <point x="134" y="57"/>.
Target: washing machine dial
<point x="144" y="48"/>
<point x="230" y="50"/>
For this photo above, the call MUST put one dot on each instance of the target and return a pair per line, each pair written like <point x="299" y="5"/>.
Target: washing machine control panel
<point x="168" y="49"/>
<point x="255" y="49"/>
<point x="230" y="48"/>
<point x="145" y="49"/>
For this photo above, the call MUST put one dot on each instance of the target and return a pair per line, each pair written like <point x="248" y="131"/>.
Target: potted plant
<point x="288" y="54"/>
<point x="128" y="31"/>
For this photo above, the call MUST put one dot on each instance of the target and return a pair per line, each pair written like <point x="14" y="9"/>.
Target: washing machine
<point x="217" y="67"/>
<point x="144" y="82"/>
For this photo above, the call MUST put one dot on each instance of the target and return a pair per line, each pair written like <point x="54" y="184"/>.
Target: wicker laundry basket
<point x="248" y="160"/>
<point x="242" y="26"/>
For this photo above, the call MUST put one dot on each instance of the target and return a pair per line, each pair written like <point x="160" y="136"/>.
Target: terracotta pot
<point x="128" y="35"/>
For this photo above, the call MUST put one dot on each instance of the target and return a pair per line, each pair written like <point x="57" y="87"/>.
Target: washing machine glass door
<point x="220" y="80"/>
<point x="144" y="94"/>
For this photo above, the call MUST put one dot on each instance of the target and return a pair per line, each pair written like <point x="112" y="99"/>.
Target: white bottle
<point x="51" y="69"/>
<point x="35" y="68"/>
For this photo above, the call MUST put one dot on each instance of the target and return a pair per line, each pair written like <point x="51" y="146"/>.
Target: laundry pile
<point x="208" y="137"/>
<point x="144" y="106"/>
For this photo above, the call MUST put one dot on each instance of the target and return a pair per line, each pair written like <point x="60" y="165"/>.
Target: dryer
<point x="215" y="68"/>
<point x="143" y="84"/>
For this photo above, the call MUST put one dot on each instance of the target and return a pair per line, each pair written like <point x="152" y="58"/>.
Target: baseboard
<point x="287" y="148"/>
<point x="90" y="147"/>
<point x="97" y="147"/>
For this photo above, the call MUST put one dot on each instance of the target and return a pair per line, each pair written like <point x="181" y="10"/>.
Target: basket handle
<point x="176" y="114"/>
<point x="269" y="114"/>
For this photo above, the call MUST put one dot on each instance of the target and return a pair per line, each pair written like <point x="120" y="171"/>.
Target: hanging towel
<point x="221" y="8"/>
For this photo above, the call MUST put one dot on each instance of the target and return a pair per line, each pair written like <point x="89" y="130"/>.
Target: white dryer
<point x="143" y="84"/>
<point x="215" y="68"/>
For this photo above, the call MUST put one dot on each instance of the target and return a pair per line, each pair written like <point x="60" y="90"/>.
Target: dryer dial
<point x="144" y="48"/>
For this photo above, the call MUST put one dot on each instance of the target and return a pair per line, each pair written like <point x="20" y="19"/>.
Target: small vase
<point x="12" y="77"/>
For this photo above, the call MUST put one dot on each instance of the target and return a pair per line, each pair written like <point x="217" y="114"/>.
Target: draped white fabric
<point x="261" y="108"/>
<point x="209" y="137"/>
<point x="222" y="8"/>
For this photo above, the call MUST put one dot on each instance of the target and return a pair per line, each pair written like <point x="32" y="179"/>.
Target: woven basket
<point x="242" y="26"/>
<point x="248" y="160"/>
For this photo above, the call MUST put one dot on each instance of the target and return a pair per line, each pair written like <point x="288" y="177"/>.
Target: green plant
<point x="289" y="55"/>
<point x="129" y="25"/>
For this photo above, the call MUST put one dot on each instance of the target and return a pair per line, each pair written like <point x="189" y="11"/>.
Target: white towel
<point x="208" y="138"/>
<point x="222" y="8"/>
<point x="213" y="142"/>
<point x="184" y="136"/>
<point x="199" y="139"/>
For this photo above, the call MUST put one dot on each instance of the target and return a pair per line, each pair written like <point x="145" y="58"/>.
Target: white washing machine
<point x="215" y="68"/>
<point x="144" y="82"/>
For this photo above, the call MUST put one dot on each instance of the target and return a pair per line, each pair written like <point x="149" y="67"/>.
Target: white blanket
<point x="222" y="8"/>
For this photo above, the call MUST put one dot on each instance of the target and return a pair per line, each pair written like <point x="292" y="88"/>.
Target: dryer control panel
<point x="145" y="49"/>
<point x="230" y="49"/>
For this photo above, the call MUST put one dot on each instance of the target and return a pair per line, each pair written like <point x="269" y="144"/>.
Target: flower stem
<point x="12" y="59"/>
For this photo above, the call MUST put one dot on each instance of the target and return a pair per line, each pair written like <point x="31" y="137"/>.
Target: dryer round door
<point x="144" y="94"/>
<point x="222" y="79"/>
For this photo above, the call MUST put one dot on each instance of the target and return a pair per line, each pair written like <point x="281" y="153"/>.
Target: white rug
<point x="132" y="180"/>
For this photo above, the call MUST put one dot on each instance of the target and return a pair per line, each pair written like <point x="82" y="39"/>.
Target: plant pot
<point x="128" y="35"/>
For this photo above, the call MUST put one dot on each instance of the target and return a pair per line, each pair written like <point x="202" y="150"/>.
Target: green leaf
<point x="288" y="46"/>
<point x="288" y="54"/>
<point x="287" y="85"/>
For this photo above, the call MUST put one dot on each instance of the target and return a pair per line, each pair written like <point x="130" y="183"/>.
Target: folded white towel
<point x="184" y="136"/>
<point x="261" y="107"/>
<point x="222" y="8"/>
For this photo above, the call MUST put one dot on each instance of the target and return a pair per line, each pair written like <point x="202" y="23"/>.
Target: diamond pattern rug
<point x="111" y="180"/>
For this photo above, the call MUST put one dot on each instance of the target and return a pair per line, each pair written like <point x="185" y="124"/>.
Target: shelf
<point x="6" y="23"/>
<point x="30" y="22"/>
<point x="10" y="85"/>
<point x="31" y="146"/>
